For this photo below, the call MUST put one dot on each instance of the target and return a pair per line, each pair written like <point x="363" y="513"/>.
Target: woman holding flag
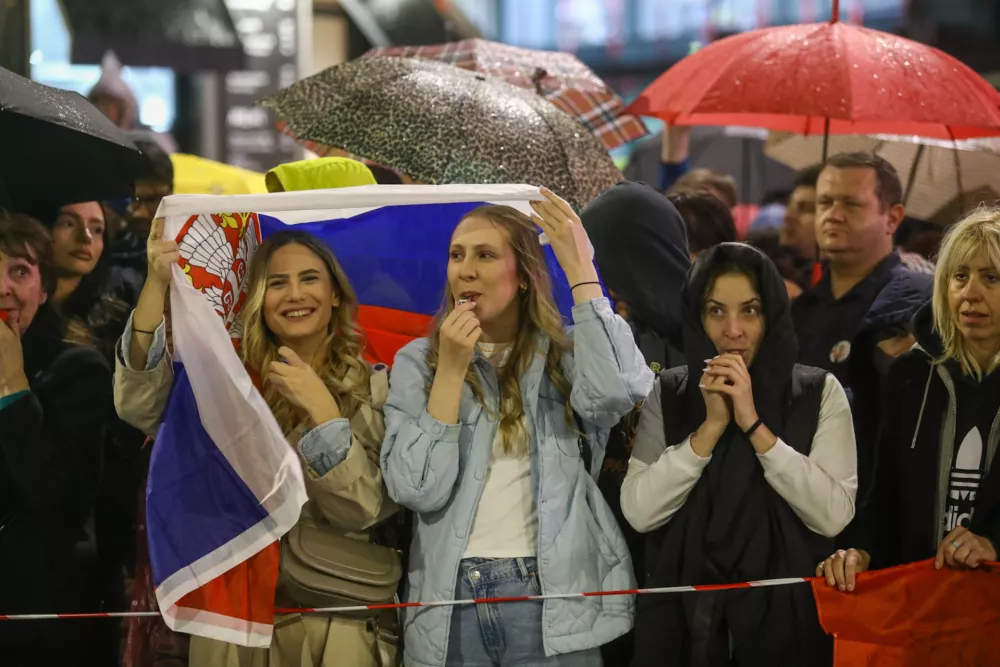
<point x="495" y="431"/>
<point x="303" y="349"/>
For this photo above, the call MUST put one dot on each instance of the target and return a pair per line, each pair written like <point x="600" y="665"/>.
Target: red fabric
<point x="743" y="216"/>
<point x="387" y="330"/>
<point x="817" y="274"/>
<point x="914" y="616"/>
<point x="245" y="592"/>
<point x="793" y="78"/>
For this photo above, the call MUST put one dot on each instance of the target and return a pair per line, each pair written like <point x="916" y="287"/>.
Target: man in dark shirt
<point x="854" y="321"/>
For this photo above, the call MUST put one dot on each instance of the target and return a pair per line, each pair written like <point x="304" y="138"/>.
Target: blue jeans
<point x="508" y="633"/>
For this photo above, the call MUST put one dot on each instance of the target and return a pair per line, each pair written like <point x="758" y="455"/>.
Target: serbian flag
<point x="224" y="484"/>
<point x="914" y="616"/>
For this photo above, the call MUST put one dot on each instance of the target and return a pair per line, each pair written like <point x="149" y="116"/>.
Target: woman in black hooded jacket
<point x="743" y="468"/>
<point x="936" y="492"/>
<point x="641" y="252"/>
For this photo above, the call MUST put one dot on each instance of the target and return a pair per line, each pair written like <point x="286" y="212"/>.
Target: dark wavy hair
<point x="92" y="307"/>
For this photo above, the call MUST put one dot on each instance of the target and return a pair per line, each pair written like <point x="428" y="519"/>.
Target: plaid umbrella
<point x="559" y="77"/>
<point x="442" y="124"/>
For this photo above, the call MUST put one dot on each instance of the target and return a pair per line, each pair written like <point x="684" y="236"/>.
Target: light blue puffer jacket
<point x="437" y="470"/>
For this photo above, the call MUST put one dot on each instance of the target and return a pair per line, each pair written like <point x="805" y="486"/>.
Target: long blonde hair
<point x="978" y="232"/>
<point x="341" y="366"/>
<point x="537" y="312"/>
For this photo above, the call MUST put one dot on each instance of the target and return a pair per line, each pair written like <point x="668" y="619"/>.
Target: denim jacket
<point x="438" y="469"/>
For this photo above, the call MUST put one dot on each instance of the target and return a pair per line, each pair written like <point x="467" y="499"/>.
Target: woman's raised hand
<point x="736" y="384"/>
<point x="161" y="254"/>
<point x="460" y="332"/>
<point x="568" y="239"/>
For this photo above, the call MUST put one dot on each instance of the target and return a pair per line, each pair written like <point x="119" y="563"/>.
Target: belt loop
<point x="523" y="567"/>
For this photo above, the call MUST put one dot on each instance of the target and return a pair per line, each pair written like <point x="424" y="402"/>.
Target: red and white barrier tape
<point x="442" y="603"/>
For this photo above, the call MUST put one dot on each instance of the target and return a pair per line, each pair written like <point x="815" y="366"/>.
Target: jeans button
<point x="475" y="574"/>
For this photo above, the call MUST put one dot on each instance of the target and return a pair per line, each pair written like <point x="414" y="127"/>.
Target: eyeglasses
<point x="139" y="203"/>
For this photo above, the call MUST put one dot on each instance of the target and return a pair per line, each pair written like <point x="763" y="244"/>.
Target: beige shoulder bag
<point x="323" y="567"/>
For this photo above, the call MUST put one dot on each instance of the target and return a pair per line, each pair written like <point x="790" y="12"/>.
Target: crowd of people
<point x="817" y="404"/>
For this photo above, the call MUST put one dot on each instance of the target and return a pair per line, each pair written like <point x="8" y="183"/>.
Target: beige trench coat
<point x="351" y="496"/>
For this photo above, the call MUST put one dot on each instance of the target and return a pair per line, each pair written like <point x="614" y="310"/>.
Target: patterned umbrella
<point x="442" y="124"/>
<point x="560" y="77"/>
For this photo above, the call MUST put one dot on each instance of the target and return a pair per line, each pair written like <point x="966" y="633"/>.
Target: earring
<point x="524" y="288"/>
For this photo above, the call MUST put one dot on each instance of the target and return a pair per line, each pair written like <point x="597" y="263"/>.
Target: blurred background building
<point x="197" y="67"/>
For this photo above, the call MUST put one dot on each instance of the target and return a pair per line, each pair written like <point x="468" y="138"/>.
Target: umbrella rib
<point x="569" y="169"/>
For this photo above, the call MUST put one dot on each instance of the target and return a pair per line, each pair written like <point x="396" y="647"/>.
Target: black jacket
<point x="902" y="517"/>
<point x="50" y="462"/>
<point x="640" y="246"/>
<point x="734" y="526"/>
<point x="892" y="310"/>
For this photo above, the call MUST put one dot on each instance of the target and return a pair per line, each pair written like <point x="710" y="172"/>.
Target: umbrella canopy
<point x="57" y="148"/>
<point x="442" y="124"/>
<point x="195" y="175"/>
<point x="560" y="77"/>
<point x="934" y="173"/>
<point x="825" y="78"/>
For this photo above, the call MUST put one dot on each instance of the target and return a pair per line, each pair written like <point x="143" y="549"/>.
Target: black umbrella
<point x="443" y="124"/>
<point x="57" y="148"/>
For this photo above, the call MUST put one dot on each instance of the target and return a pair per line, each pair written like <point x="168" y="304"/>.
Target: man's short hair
<point x="159" y="166"/>
<point x="711" y="180"/>
<point x="888" y="187"/>
<point x="707" y="219"/>
<point x="25" y="238"/>
<point x="806" y="178"/>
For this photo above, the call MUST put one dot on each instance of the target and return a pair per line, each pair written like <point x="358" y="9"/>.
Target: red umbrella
<point x="559" y="77"/>
<point x="825" y="78"/>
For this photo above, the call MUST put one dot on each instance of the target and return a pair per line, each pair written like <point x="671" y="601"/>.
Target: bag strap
<point x="583" y="442"/>
<point x="379" y="385"/>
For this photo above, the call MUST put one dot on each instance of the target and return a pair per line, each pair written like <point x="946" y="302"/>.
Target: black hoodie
<point x="640" y="246"/>
<point x="903" y="520"/>
<point x="734" y="526"/>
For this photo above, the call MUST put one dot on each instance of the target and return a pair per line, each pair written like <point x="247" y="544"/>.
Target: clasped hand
<point x="726" y="384"/>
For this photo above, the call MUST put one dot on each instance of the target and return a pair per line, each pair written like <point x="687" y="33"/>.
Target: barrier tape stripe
<point x="442" y="603"/>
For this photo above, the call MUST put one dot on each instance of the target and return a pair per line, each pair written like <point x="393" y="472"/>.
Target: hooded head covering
<point x="318" y="174"/>
<point x="112" y="84"/>
<point x="771" y="367"/>
<point x="733" y="526"/>
<point x="641" y="251"/>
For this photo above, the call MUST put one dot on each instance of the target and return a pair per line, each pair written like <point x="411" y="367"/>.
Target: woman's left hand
<point x="299" y="383"/>
<point x="738" y="387"/>
<point x="971" y="550"/>
<point x="567" y="236"/>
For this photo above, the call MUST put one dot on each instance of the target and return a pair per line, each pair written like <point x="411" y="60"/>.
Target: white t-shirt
<point x="506" y="521"/>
